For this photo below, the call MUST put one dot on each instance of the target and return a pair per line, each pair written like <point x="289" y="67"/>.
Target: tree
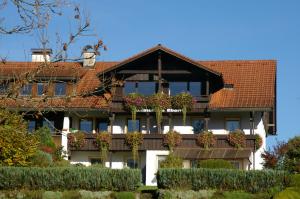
<point x="17" y="146"/>
<point x="34" y="18"/>
<point x="284" y="155"/>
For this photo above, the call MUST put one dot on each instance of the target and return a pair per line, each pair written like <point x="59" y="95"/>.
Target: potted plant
<point x="183" y="101"/>
<point x="237" y="138"/>
<point x="172" y="139"/>
<point x="258" y="141"/>
<point x="102" y="142"/>
<point x="158" y="103"/>
<point x="76" y="140"/>
<point x="206" y="139"/>
<point x="134" y="140"/>
<point x="134" y="102"/>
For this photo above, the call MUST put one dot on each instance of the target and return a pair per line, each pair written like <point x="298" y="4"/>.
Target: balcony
<point x="155" y="142"/>
<point x="117" y="105"/>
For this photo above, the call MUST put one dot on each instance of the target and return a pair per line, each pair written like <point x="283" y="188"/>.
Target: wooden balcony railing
<point x="155" y="142"/>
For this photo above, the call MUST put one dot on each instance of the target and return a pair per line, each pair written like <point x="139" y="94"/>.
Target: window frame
<point x="188" y="87"/>
<point x="65" y="89"/>
<point x="92" y="125"/>
<point x="139" y="129"/>
<point x="4" y="88"/>
<point x="102" y="120"/>
<point x="29" y="90"/>
<point x="232" y="119"/>
<point x="136" y="87"/>
<point x="197" y="118"/>
<point x="37" y="88"/>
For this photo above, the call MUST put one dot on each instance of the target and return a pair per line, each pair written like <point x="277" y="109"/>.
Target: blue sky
<point x="199" y="29"/>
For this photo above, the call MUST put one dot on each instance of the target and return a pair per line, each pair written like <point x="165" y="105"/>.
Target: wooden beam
<point x="154" y="72"/>
<point x="148" y="122"/>
<point x="159" y="71"/>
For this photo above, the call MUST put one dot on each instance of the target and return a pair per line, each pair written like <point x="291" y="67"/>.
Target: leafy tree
<point x="17" y="146"/>
<point x="284" y="155"/>
<point x="43" y="134"/>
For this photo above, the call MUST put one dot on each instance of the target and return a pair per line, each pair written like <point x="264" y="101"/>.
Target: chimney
<point x="89" y="59"/>
<point x="39" y="54"/>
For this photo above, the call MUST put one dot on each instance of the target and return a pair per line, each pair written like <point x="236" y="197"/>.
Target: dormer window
<point x="3" y="88"/>
<point x="41" y="87"/>
<point x="60" y="89"/>
<point x="26" y="90"/>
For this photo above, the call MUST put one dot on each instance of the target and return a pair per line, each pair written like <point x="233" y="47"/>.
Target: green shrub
<point x="61" y="163"/>
<point x="215" y="164"/>
<point x="69" y="178"/>
<point x="44" y="136"/>
<point x="124" y="195"/>
<point x="171" y="161"/>
<point x="41" y="159"/>
<point x="221" y="179"/>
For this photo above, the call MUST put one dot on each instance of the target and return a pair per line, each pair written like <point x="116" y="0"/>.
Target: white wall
<point x="152" y="165"/>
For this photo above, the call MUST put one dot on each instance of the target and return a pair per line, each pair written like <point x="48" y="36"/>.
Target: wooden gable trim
<point x="166" y="50"/>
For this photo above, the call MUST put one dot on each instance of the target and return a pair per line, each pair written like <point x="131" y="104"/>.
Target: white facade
<point x="149" y="159"/>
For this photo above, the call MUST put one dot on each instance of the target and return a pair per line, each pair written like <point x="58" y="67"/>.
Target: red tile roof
<point x="254" y="83"/>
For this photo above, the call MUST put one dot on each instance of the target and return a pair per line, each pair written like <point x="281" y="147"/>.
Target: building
<point x="88" y="97"/>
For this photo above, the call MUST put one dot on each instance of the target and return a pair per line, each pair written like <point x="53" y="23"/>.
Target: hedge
<point x="69" y="178"/>
<point x="221" y="179"/>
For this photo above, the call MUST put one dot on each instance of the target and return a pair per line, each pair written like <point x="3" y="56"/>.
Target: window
<point x="49" y="124"/>
<point x="40" y="89"/>
<point x="146" y="88"/>
<point x="198" y="125"/>
<point x="195" y="88"/>
<point x="235" y="164"/>
<point x="60" y="89"/>
<point x="3" y="88"/>
<point x="31" y="125"/>
<point x="232" y="124"/>
<point x="96" y="161"/>
<point x="129" y="88"/>
<point x="86" y="125"/>
<point x="177" y="87"/>
<point x="133" y="125"/>
<point x="26" y="90"/>
<point x="132" y="164"/>
<point x="102" y="126"/>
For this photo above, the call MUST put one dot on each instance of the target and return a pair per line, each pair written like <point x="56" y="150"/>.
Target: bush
<point x="42" y="159"/>
<point x="61" y="163"/>
<point x="69" y="178"/>
<point x="172" y="161"/>
<point x="215" y="164"/>
<point x="43" y="134"/>
<point x="222" y="179"/>
<point x="17" y="146"/>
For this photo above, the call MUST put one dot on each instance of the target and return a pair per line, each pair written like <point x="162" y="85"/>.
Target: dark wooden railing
<point x="155" y="142"/>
